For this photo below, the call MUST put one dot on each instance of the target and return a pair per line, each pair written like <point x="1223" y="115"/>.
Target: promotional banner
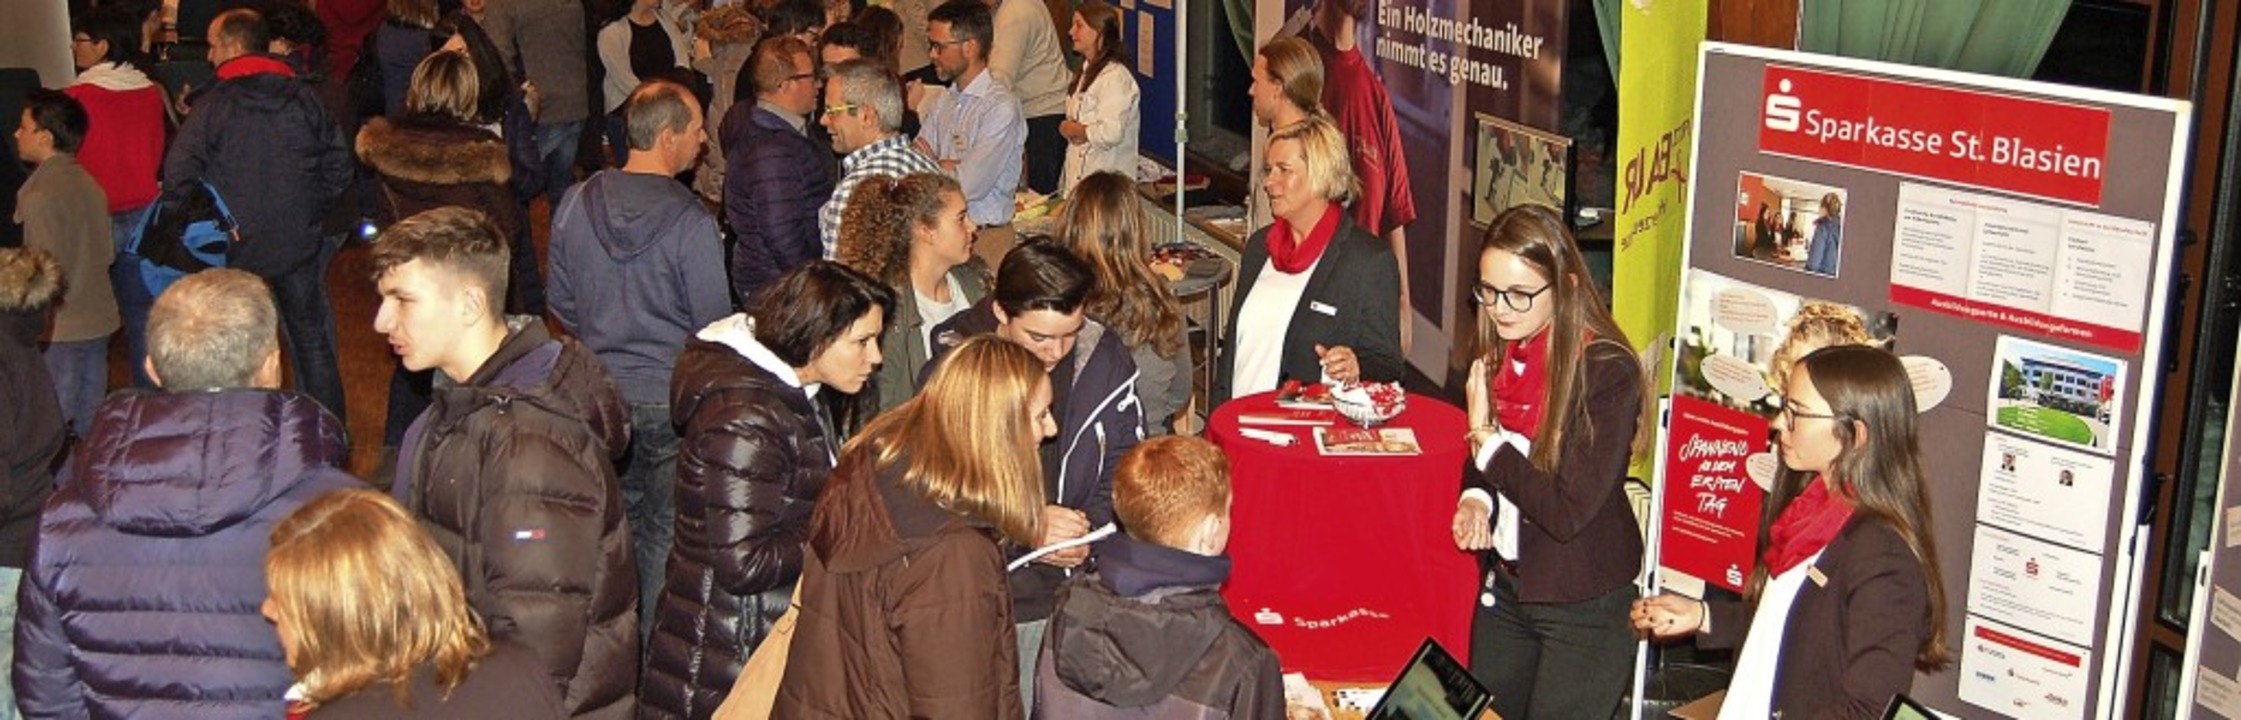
<point x="2013" y="243"/>
<point x="1657" y="78"/>
<point x="1450" y="107"/>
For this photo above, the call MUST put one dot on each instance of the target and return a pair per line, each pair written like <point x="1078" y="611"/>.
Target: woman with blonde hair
<point x="1318" y="297"/>
<point x="905" y="610"/>
<point x="1104" y="225"/>
<point x="1556" y="407"/>
<point x="912" y="234"/>
<point x="1102" y="115"/>
<point x="1287" y="88"/>
<point x="375" y="624"/>
<point x="1848" y="602"/>
<point x="1818" y="324"/>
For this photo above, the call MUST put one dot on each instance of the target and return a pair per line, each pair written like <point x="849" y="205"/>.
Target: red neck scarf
<point x="1293" y="258"/>
<point x="247" y="65"/>
<point x="1518" y="395"/>
<point x="1805" y="526"/>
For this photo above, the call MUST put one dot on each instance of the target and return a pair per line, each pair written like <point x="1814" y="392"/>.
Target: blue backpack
<point x="189" y="230"/>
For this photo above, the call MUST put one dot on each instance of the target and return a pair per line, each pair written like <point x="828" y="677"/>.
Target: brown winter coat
<point x="427" y="162"/>
<point x="905" y="611"/>
<point x="513" y="474"/>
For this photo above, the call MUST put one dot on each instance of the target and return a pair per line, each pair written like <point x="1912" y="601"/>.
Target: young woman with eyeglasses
<point x="1848" y="602"/>
<point x="1556" y="405"/>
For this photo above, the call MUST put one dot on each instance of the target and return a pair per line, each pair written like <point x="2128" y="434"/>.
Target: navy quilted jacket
<point x="777" y="181"/>
<point x="142" y="595"/>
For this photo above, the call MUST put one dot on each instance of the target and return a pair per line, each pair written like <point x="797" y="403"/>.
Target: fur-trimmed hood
<point x="433" y="151"/>
<point x="30" y="279"/>
<point x="729" y="24"/>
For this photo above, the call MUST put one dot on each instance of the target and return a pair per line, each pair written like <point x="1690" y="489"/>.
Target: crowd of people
<point x="786" y="366"/>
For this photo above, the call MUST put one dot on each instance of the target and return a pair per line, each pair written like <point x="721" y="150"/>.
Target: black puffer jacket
<point x="754" y="456"/>
<point x="32" y="430"/>
<point x="513" y="474"/>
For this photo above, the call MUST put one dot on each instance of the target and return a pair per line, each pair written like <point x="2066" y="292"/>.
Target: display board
<point x="2213" y="656"/>
<point x="1471" y="88"/>
<point x="2013" y="242"/>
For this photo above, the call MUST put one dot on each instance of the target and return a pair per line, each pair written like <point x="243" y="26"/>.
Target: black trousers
<point x="1553" y="660"/>
<point x="1046" y="153"/>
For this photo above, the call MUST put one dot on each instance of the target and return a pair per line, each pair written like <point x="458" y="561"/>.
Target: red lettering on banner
<point x="2040" y="323"/>
<point x="2020" y="145"/>
<point x="2033" y="648"/>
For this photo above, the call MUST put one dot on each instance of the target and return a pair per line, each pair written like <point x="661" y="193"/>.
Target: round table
<point x="1345" y="564"/>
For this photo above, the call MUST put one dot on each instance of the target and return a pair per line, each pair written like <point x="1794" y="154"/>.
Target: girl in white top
<point x="1102" y="116"/>
<point x="1848" y="601"/>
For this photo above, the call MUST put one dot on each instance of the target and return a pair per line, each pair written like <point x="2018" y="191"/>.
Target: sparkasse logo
<point x="1782" y="109"/>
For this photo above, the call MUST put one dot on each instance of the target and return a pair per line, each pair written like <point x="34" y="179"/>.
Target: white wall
<point x="36" y="34"/>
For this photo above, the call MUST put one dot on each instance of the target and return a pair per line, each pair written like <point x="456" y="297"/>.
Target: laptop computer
<point x="1905" y="708"/>
<point x="1433" y="686"/>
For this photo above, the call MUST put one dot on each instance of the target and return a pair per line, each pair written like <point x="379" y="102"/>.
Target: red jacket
<point x="123" y="150"/>
<point x="348" y="23"/>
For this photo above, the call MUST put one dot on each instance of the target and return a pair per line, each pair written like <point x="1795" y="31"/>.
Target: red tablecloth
<point x="1345" y="564"/>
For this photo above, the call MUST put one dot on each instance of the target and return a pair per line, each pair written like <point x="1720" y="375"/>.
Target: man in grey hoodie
<point x="637" y="267"/>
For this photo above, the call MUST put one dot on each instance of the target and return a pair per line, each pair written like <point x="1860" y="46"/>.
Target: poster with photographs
<point x="1789" y="223"/>
<point x="1514" y="165"/>
<point x="2055" y="394"/>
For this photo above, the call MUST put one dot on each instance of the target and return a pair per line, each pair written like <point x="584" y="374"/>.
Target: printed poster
<point x="2054" y="271"/>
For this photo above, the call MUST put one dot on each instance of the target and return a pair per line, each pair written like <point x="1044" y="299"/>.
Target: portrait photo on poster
<point x="1788" y="223"/>
<point x="2054" y="394"/>
<point x="1515" y="165"/>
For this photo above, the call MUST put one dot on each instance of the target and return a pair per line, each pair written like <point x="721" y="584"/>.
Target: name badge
<point x="1322" y="308"/>
<point x="1814" y="574"/>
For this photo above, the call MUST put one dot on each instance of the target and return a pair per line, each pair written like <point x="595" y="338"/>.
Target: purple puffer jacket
<point x="143" y="592"/>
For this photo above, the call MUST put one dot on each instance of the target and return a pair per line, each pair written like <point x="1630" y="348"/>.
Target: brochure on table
<point x="2012" y="242"/>
<point x="2208" y="687"/>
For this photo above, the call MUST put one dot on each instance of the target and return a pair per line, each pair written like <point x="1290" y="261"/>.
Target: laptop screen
<point x="1433" y="686"/>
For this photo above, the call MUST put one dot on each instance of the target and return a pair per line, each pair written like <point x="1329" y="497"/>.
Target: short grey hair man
<point x="215" y="330"/>
<point x="865" y="84"/>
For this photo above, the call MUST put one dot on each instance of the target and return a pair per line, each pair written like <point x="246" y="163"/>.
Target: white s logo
<point x="1781" y="109"/>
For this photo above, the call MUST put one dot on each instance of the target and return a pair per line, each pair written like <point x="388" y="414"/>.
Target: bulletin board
<point x="2013" y="242"/>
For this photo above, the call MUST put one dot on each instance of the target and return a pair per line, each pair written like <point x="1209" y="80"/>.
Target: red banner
<point x="2025" y="320"/>
<point x="1711" y="505"/>
<point x="2018" y="145"/>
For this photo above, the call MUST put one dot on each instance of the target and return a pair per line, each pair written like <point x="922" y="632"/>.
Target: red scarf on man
<point x="248" y="65"/>
<point x="1293" y="258"/>
<point x="1805" y="526"/>
<point x="1517" y="395"/>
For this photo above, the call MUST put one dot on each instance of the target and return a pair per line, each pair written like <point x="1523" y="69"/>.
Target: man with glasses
<point x="864" y="110"/>
<point x="976" y="129"/>
<point x="777" y="174"/>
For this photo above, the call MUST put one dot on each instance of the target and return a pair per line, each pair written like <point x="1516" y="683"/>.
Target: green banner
<point x="1657" y="78"/>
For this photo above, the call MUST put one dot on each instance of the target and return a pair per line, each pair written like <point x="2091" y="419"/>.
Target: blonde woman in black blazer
<point x="1329" y="287"/>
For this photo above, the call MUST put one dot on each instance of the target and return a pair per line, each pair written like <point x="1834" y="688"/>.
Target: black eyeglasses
<point x="1790" y="414"/>
<point x="801" y="76"/>
<point x="1518" y="300"/>
<point x="939" y="44"/>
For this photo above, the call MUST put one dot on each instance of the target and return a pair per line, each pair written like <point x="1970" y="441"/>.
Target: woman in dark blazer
<point x="1555" y="407"/>
<point x="1317" y="296"/>
<point x="1847" y="604"/>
